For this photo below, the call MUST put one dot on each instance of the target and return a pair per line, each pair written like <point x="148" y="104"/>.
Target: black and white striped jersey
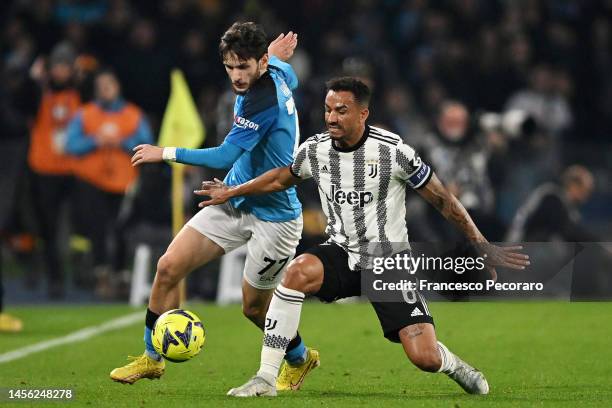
<point x="363" y="189"/>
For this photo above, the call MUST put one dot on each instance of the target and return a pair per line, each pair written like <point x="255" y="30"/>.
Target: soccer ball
<point x="178" y="335"/>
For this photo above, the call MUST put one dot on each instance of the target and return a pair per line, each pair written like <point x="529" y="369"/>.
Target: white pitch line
<point x="74" y="337"/>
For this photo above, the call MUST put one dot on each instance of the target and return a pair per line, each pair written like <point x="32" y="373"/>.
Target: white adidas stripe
<point x="74" y="337"/>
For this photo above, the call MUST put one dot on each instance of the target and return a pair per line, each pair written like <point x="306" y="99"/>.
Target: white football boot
<point x="255" y="387"/>
<point x="469" y="378"/>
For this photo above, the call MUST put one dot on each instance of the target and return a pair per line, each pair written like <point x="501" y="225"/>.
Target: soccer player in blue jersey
<point x="264" y="136"/>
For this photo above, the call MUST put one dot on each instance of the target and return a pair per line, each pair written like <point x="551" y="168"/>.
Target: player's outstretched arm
<point x="451" y="208"/>
<point x="271" y="181"/>
<point x="220" y="157"/>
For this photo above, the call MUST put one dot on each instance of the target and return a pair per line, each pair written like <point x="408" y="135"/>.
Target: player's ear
<point x="363" y="115"/>
<point x="263" y="63"/>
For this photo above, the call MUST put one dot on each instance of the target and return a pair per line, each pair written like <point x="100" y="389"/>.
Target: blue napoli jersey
<point x="266" y="127"/>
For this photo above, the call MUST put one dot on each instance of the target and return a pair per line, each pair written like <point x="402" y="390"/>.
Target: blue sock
<point x="149" y="349"/>
<point x="150" y="320"/>
<point x="297" y="354"/>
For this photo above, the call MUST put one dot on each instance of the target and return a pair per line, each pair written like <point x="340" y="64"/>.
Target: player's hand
<point x="283" y="46"/>
<point x="506" y="257"/>
<point x="146" y="153"/>
<point x="216" y="190"/>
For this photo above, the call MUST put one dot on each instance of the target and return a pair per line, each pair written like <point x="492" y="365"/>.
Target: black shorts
<point x="339" y="281"/>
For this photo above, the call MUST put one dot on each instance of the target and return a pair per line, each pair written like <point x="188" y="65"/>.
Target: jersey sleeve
<point x="300" y="167"/>
<point x="255" y="116"/>
<point x="410" y="167"/>
<point x="285" y="71"/>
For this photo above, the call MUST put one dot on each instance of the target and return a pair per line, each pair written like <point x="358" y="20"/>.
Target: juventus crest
<point x="372" y="168"/>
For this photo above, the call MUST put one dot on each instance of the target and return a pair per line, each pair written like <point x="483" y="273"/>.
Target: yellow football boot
<point x="291" y="377"/>
<point x="10" y="324"/>
<point x="141" y="367"/>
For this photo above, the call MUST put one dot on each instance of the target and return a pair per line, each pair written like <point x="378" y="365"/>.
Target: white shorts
<point x="270" y="245"/>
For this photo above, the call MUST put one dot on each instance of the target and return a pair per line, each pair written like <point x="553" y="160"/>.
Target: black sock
<point x="151" y="319"/>
<point x="294" y="342"/>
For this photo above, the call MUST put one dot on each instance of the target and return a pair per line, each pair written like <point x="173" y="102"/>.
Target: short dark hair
<point x="246" y="40"/>
<point x="356" y="86"/>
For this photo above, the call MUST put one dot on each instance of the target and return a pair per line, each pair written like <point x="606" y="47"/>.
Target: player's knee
<point x="296" y="276"/>
<point x="168" y="271"/>
<point x="426" y="360"/>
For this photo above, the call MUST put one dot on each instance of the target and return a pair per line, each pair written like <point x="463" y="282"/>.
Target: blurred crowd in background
<point x="510" y="101"/>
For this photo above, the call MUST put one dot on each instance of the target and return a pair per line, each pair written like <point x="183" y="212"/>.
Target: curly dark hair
<point x="356" y="86"/>
<point x="245" y="39"/>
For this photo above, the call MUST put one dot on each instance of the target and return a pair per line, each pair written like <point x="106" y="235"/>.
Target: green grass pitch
<point x="533" y="354"/>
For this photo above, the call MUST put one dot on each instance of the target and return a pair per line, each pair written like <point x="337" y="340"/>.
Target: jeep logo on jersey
<point x="245" y="123"/>
<point x="355" y="198"/>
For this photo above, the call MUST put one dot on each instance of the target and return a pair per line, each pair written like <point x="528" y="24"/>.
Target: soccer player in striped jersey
<point x="362" y="173"/>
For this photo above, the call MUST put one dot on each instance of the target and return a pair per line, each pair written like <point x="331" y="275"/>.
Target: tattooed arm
<point x="451" y="208"/>
<point x="447" y="204"/>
